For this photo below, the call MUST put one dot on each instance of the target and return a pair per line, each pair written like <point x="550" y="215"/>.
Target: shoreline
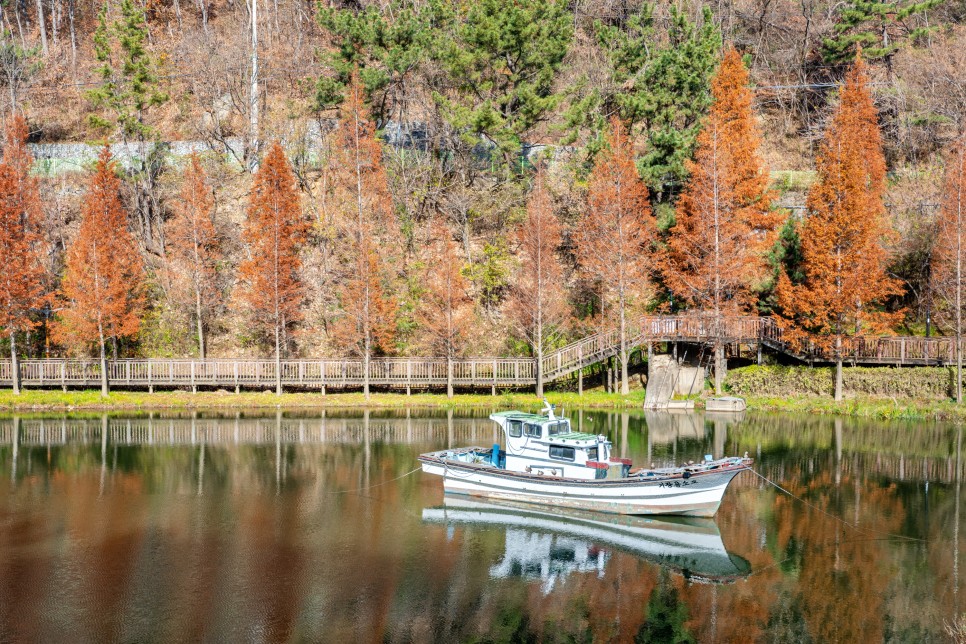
<point x="31" y="401"/>
<point x="872" y="408"/>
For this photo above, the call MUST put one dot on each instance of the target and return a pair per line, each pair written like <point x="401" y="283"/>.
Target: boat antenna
<point x="548" y="408"/>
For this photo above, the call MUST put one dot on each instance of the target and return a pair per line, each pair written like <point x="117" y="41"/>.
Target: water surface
<point x="295" y="527"/>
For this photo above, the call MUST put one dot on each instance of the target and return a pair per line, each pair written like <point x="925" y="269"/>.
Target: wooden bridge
<point x="470" y="373"/>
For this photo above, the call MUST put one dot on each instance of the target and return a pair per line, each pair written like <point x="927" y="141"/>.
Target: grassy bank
<point x="876" y="408"/>
<point x="126" y="400"/>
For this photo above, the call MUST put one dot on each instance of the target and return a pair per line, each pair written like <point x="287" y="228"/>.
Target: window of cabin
<point x="533" y="431"/>
<point x="514" y="429"/>
<point x="561" y="452"/>
<point x="592" y="454"/>
<point x="558" y="428"/>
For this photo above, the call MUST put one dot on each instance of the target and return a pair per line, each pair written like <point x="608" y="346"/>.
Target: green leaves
<point x="129" y="82"/>
<point x="501" y="62"/>
<point x="880" y="28"/>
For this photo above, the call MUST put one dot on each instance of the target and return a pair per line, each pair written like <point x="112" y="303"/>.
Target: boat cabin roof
<point x="536" y="419"/>
<point x="521" y="415"/>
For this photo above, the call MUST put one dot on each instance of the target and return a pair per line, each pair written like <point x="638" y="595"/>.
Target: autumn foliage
<point x="445" y="312"/>
<point x="195" y="249"/>
<point x="103" y="284"/>
<point x="716" y="251"/>
<point x="274" y="231"/>
<point x="949" y="254"/>
<point x="537" y="306"/>
<point x="613" y="238"/>
<point x="844" y="232"/>
<point x="366" y="223"/>
<point x="22" y="276"/>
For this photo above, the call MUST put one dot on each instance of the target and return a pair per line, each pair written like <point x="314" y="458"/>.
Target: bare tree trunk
<point x="449" y="376"/>
<point x="43" y="26"/>
<point x="14" y="364"/>
<point x="720" y="365"/>
<point x="278" y="360"/>
<point x="625" y="387"/>
<point x="253" y="90"/>
<point x="201" y="328"/>
<point x="838" y="369"/>
<point x="365" y="369"/>
<point x="105" y="387"/>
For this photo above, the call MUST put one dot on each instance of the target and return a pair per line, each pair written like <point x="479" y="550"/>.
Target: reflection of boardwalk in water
<point x="246" y="431"/>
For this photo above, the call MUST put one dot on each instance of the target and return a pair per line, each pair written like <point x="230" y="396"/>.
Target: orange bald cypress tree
<point x="716" y="252"/>
<point x="949" y="254"/>
<point x="103" y="285"/>
<point x="537" y="306"/>
<point x="22" y="276"/>
<point x="445" y="311"/>
<point x="366" y="225"/>
<point x="843" y="235"/>
<point x="195" y="248"/>
<point x="614" y="236"/>
<point x="275" y="229"/>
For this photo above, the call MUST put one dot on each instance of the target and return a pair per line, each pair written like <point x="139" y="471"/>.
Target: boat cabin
<point x="547" y="444"/>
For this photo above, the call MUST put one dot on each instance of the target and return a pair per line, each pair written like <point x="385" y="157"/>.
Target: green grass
<point x="34" y="400"/>
<point x="875" y="408"/>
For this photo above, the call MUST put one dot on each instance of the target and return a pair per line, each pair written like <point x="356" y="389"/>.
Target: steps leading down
<point x="662" y="378"/>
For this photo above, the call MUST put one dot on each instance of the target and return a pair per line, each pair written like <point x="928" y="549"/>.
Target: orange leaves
<point x="538" y="302"/>
<point x="271" y="286"/>
<point x="445" y="310"/>
<point x="715" y="255"/>
<point x="104" y="277"/>
<point x="614" y="235"/>
<point x="194" y="248"/>
<point x="843" y="235"/>
<point x="21" y="280"/>
<point x="365" y="225"/>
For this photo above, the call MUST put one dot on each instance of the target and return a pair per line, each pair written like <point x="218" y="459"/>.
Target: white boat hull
<point x="696" y="496"/>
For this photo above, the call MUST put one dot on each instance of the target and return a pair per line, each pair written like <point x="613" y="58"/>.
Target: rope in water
<point x="369" y="487"/>
<point x="867" y="531"/>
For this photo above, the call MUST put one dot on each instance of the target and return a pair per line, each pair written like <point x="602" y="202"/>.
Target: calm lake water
<point x="295" y="527"/>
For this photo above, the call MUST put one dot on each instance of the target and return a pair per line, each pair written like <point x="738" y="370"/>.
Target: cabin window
<point x="514" y="429"/>
<point x="534" y="431"/>
<point x="592" y="454"/>
<point x="560" y="427"/>
<point x="561" y="452"/>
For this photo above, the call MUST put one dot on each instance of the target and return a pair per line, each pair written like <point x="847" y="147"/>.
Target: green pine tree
<point x="660" y="90"/>
<point x="501" y="62"/>
<point x="385" y="44"/>
<point x="666" y="615"/>
<point x="880" y="28"/>
<point x="129" y="81"/>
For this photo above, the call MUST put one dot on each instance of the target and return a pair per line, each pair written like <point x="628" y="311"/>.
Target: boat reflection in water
<point x="547" y="544"/>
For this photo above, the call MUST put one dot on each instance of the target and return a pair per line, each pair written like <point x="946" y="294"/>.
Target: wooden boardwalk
<point x="468" y="373"/>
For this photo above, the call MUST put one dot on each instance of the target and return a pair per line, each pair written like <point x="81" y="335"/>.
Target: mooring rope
<point x="868" y="531"/>
<point x="369" y="487"/>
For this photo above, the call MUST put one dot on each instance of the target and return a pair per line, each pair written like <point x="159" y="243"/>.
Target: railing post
<point x="63" y="375"/>
<point x="516" y="373"/>
<point x="322" y="374"/>
<point x="580" y="370"/>
<point x="127" y="372"/>
<point x="409" y="375"/>
<point x="237" y="387"/>
<point x="194" y="388"/>
<point x="150" y="385"/>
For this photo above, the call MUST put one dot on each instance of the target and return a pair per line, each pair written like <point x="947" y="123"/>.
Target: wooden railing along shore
<point x="469" y="373"/>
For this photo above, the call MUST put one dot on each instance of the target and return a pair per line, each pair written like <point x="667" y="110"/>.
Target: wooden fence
<point x="470" y="373"/>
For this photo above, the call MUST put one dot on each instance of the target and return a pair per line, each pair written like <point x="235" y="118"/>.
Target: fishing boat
<point x="548" y="543"/>
<point x="545" y="461"/>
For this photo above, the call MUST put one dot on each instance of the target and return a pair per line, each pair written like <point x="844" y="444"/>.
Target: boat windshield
<point x="559" y="427"/>
<point x="534" y="431"/>
<point x="514" y="428"/>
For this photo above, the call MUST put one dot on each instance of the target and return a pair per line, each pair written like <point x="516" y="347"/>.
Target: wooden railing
<point x="474" y="373"/>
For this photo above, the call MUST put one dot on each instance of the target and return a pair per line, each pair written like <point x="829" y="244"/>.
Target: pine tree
<point x="103" y="284"/>
<point x="22" y="277"/>
<point x="614" y="236"/>
<point x="129" y="84"/>
<point x="275" y="230"/>
<point x="502" y="61"/>
<point x="879" y="29"/>
<point x="537" y="306"/>
<point x="949" y="254"/>
<point x="366" y="225"/>
<point x="844" y="259"/>
<point x="195" y="248"/>
<point x="716" y="250"/>
<point x="445" y="311"/>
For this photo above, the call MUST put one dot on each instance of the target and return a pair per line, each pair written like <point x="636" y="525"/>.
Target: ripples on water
<point x="306" y="528"/>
